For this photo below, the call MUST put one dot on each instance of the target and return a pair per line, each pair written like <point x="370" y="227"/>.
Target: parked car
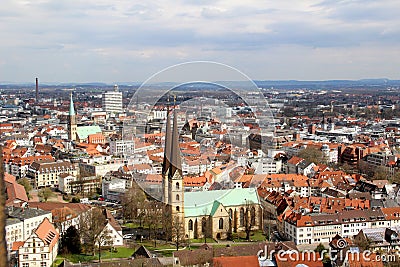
<point x="128" y="236"/>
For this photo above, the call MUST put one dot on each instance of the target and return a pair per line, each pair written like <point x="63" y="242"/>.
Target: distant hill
<point x="276" y="84"/>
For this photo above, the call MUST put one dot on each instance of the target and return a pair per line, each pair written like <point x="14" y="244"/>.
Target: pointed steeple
<point x="175" y="161"/>
<point x="72" y="128"/>
<point x="71" y="106"/>
<point x="167" y="148"/>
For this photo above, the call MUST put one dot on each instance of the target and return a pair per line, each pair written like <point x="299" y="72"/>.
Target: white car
<point x="127" y="236"/>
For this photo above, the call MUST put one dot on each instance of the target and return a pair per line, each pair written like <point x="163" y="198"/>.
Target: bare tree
<point x="178" y="231"/>
<point x="3" y="245"/>
<point x="206" y="225"/>
<point x="93" y="230"/>
<point x="45" y="194"/>
<point x="133" y="204"/>
<point x="313" y="154"/>
<point x="167" y="225"/>
<point x="153" y="218"/>
<point x="380" y="173"/>
<point x="248" y="218"/>
<point x="26" y="184"/>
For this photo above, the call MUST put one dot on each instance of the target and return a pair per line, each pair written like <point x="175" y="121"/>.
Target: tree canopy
<point x="313" y="154"/>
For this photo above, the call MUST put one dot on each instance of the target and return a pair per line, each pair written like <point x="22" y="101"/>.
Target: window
<point x="177" y="185"/>
<point x="253" y="216"/>
<point x="43" y="256"/>
<point x="43" y="264"/>
<point x="221" y="223"/>
<point x="190" y="225"/>
<point x="241" y="221"/>
<point x="203" y="225"/>
<point x="177" y="197"/>
<point x="177" y="208"/>
<point x="25" y="264"/>
<point x="25" y="257"/>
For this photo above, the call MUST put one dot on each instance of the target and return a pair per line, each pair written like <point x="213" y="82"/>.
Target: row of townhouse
<point x="312" y="228"/>
<point x="199" y="166"/>
<point x="73" y="214"/>
<point x="31" y="237"/>
<point x="19" y="166"/>
<point x="41" y="247"/>
<point x="43" y="174"/>
<point x="21" y="222"/>
<point x="71" y="184"/>
<point x="301" y="184"/>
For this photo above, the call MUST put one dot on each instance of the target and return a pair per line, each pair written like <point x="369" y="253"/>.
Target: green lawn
<point x="131" y="225"/>
<point x="254" y="236"/>
<point x="201" y="240"/>
<point x="163" y="249"/>
<point x="57" y="262"/>
<point x="121" y="252"/>
<point x="257" y="236"/>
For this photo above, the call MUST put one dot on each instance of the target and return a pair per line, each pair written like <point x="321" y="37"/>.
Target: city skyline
<point x="63" y="41"/>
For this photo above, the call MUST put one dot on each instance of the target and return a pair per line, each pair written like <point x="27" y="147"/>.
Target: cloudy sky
<point x="129" y="40"/>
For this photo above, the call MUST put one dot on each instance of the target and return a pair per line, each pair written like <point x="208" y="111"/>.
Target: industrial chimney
<point x="37" y="90"/>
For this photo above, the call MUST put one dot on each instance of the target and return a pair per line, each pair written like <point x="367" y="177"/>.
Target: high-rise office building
<point x="112" y="101"/>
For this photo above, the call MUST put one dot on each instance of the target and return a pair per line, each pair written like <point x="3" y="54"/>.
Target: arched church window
<point x="177" y="185"/>
<point x="221" y="223"/>
<point x="190" y="225"/>
<point x="177" y="197"/>
<point x="241" y="217"/>
<point x="203" y="225"/>
<point x="253" y="216"/>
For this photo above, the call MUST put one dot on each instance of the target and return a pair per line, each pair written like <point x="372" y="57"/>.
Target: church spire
<point x="71" y="106"/>
<point x="176" y="161"/>
<point x="72" y="128"/>
<point x="167" y="147"/>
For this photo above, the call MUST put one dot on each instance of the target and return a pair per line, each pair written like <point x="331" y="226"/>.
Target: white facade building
<point x="21" y="222"/>
<point x="112" y="101"/>
<point x="64" y="183"/>
<point x="41" y="247"/>
<point x="268" y="165"/>
<point x="110" y="185"/>
<point x="122" y="147"/>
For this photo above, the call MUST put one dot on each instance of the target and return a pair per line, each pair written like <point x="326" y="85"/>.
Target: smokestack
<point x="37" y="90"/>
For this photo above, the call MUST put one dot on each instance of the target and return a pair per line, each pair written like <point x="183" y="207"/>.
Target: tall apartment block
<point x="112" y="101"/>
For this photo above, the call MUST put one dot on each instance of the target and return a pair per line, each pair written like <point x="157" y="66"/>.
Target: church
<point x="214" y="214"/>
<point x="79" y="133"/>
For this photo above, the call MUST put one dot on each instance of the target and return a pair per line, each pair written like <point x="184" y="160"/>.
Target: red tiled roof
<point x="47" y="233"/>
<point x="295" y="160"/>
<point x="357" y="260"/>
<point x="17" y="244"/>
<point x="290" y="260"/>
<point x="50" y="206"/>
<point x="238" y="261"/>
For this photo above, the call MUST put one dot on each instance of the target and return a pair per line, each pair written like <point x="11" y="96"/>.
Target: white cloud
<point x="129" y="40"/>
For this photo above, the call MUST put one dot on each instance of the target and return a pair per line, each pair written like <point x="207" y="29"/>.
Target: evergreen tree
<point x="71" y="241"/>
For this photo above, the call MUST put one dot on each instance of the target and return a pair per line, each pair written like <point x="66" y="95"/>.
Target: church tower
<point x="71" y="120"/>
<point x="173" y="186"/>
